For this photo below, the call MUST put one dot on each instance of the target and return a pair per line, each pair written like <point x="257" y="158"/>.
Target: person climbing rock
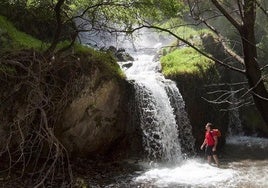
<point x="210" y="142"/>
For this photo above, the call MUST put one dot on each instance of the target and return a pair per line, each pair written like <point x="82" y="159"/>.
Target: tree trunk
<point x="253" y="71"/>
<point x="57" y="34"/>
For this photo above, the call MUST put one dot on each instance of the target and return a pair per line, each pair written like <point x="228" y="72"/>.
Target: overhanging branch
<point x="226" y="14"/>
<point x="192" y="46"/>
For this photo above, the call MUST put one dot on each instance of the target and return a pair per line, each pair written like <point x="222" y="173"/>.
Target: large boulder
<point x="98" y="120"/>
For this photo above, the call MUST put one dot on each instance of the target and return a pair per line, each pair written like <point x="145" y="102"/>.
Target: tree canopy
<point x="243" y="38"/>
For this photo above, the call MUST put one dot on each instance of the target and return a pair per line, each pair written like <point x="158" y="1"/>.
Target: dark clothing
<point x="209" y="151"/>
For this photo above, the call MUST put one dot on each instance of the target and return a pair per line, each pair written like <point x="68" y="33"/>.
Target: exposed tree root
<point x="34" y="92"/>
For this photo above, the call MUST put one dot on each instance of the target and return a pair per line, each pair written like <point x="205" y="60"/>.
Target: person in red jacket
<point x="210" y="141"/>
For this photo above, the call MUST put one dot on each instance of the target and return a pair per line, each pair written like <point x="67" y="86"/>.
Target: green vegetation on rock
<point x="11" y="38"/>
<point x="185" y="61"/>
<point x="104" y="61"/>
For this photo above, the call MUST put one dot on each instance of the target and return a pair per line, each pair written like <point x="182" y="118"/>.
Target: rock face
<point x="98" y="121"/>
<point x="199" y="111"/>
<point x="89" y="119"/>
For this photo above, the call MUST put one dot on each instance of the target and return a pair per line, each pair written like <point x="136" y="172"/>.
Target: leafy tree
<point x="241" y="15"/>
<point x="130" y="15"/>
<point x="98" y="15"/>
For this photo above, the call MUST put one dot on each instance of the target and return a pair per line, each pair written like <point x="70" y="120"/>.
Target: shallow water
<point x="194" y="173"/>
<point x="244" y="164"/>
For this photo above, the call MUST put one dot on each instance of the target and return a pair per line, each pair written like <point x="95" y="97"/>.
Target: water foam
<point x="191" y="172"/>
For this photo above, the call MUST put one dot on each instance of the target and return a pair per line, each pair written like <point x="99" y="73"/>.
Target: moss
<point x="14" y="39"/>
<point x="104" y="61"/>
<point x="185" y="61"/>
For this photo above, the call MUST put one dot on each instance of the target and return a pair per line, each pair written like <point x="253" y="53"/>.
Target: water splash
<point x="190" y="173"/>
<point x="245" y="165"/>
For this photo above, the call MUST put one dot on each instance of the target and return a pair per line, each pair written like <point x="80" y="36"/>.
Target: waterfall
<point x="167" y="133"/>
<point x="185" y="130"/>
<point x="161" y="110"/>
<point x="234" y="125"/>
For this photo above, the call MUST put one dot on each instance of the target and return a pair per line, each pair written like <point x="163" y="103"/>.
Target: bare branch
<point x="191" y="45"/>
<point x="236" y="24"/>
<point x="222" y="41"/>
<point x="252" y="88"/>
<point x="262" y="9"/>
<point x="240" y="8"/>
<point x="259" y="96"/>
<point x="263" y="67"/>
<point x="221" y="38"/>
<point x="226" y="84"/>
<point x="57" y="10"/>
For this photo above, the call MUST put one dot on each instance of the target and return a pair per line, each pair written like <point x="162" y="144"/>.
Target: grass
<point x="185" y="61"/>
<point x="10" y="37"/>
<point x="106" y="63"/>
<point x="13" y="39"/>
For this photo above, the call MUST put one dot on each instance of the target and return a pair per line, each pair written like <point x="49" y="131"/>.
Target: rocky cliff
<point x="98" y="121"/>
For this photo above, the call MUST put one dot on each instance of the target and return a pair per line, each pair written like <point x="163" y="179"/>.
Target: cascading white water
<point x="185" y="132"/>
<point x="235" y="125"/>
<point x="161" y="111"/>
<point x="165" y="126"/>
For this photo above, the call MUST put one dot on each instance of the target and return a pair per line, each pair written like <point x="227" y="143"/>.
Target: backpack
<point x="217" y="131"/>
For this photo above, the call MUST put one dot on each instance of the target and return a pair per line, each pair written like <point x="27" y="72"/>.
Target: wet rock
<point x="123" y="56"/>
<point x="120" y="54"/>
<point x="127" y="65"/>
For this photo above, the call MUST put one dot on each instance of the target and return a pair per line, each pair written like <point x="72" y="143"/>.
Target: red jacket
<point x="209" y="138"/>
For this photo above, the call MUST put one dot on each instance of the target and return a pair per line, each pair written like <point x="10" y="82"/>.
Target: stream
<point x="244" y="160"/>
<point x="244" y="164"/>
<point x="167" y="138"/>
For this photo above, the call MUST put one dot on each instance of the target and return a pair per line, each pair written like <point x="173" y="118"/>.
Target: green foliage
<point x="102" y="15"/>
<point x="157" y="10"/>
<point x="10" y="37"/>
<point x="124" y="14"/>
<point x="185" y="61"/>
<point x="178" y="60"/>
<point x="104" y="61"/>
<point x="37" y="18"/>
